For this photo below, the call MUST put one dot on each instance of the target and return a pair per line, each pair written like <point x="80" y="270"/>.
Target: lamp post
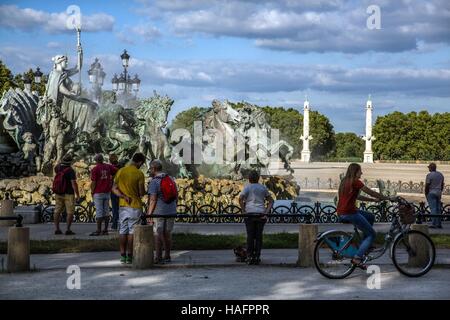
<point x="123" y="84"/>
<point x="96" y="77"/>
<point x="38" y="78"/>
<point x="27" y="83"/>
<point x="136" y="83"/>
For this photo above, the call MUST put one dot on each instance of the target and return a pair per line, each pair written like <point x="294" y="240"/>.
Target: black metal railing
<point x="18" y="219"/>
<point x="397" y="186"/>
<point x="293" y="213"/>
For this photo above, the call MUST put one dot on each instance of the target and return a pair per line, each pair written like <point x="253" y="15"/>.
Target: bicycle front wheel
<point x="413" y="253"/>
<point x="328" y="262"/>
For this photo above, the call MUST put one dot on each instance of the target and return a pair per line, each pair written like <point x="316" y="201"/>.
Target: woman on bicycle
<point x="349" y="190"/>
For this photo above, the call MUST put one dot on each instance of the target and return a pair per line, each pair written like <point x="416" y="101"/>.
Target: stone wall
<point x="37" y="189"/>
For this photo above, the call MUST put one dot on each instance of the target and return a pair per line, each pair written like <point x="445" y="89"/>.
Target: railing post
<point x="306" y="237"/>
<point x="18" y="249"/>
<point x="317" y="212"/>
<point x="143" y="247"/>
<point x="421" y="212"/>
<point x="6" y="209"/>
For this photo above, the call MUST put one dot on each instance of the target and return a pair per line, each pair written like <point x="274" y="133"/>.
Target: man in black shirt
<point x="70" y="195"/>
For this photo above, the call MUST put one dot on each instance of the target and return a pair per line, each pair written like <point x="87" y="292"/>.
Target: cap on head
<point x="432" y="166"/>
<point x="98" y="158"/>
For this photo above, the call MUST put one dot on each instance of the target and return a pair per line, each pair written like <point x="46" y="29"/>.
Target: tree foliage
<point x="348" y="145"/>
<point x="412" y="136"/>
<point x="6" y="78"/>
<point x="185" y="119"/>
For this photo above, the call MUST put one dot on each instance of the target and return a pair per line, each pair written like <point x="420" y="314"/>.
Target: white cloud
<point x="311" y="26"/>
<point x="27" y="19"/>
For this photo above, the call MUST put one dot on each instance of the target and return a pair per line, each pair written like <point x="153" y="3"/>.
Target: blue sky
<point x="266" y="52"/>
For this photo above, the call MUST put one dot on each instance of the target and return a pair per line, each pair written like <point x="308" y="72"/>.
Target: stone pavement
<point x="82" y="230"/>
<point x="187" y="258"/>
<point x="215" y="282"/>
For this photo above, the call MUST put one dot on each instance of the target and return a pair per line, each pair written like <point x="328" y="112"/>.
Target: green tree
<point x="185" y="119"/>
<point x="348" y="145"/>
<point x="6" y="78"/>
<point x="412" y="136"/>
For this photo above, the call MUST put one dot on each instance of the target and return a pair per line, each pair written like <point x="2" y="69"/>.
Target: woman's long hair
<point x="350" y="177"/>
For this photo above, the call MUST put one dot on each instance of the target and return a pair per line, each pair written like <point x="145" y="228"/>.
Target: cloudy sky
<point x="263" y="51"/>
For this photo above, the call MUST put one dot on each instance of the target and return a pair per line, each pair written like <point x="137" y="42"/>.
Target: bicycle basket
<point x="406" y="213"/>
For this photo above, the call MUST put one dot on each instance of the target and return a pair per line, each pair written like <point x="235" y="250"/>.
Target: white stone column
<point x="368" y="153"/>
<point x="306" y="153"/>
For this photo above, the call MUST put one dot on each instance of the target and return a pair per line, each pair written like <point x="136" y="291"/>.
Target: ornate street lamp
<point x="115" y="83"/>
<point x="96" y="77"/>
<point x="122" y="82"/>
<point x="27" y="83"/>
<point x="125" y="58"/>
<point x="136" y="82"/>
<point x="38" y="76"/>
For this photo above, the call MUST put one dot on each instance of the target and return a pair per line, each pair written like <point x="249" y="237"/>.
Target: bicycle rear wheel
<point x="328" y="262"/>
<point x="413" y="253"/>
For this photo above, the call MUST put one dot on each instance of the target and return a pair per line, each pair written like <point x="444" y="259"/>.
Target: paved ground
<point x="82" y="230"/>
<point x="240" y="282"/>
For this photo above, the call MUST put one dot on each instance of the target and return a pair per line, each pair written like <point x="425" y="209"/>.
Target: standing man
<point x="129" y="187"/>
<point x="252" y="201"/>
<point x="434" y="184"/>
<point x="66" y="192"/>
<point x="114" y="161"/>
<point x="163" y="196"/>
<point x="101" y="185"/>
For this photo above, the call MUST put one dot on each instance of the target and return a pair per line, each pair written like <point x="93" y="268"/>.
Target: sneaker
<point x="69" y="233"/>
<point x="58" y="232"/>
<point x="123" y="259"/>
<point x="167" y="260"/>
<point x="129" y="260"/>
<point x="250" y="261"/>
<point x="257" y="261"/>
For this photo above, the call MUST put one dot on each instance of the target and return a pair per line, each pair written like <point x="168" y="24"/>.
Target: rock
<point x="13" y="185"/>
<point x="29" y="186"/>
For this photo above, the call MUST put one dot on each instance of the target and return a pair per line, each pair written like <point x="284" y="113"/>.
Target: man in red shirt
<point x="101" y="185"/>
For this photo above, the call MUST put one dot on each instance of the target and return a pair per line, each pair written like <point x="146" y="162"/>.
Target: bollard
<point x="18" y="249"/>
<point x="143" y="247"/>
<point x="423" y="254"/>
<point x="306" y="242"/>
<point x="6" y="209"/>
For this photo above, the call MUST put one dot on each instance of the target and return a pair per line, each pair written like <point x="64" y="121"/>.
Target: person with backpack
<point x="101" y="185"/>
<point x="252" y="201"/>
<point x="162" y="200"/>
<point x="66" y="192"/>
<point x="129" y="187"/>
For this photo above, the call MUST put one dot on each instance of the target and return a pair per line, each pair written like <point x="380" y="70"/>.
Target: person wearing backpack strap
<point x="162" y="200"/>
<point x="66" y="192"/>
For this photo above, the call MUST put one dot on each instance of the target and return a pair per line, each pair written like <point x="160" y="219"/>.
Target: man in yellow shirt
<point x="129" y="187"/>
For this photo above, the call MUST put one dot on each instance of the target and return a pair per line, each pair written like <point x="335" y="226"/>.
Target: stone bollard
<point x="18" y="249"/>
<point x="306" y="237"/>
<point x="143" y="247"/>
<point x="7" y="210"/>
<point x="423" y="255"/>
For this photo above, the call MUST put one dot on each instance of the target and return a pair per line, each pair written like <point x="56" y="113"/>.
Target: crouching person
<point x="252" y="201"/>
<point x="162" y="200"/>
<point x="129" y="187"/>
